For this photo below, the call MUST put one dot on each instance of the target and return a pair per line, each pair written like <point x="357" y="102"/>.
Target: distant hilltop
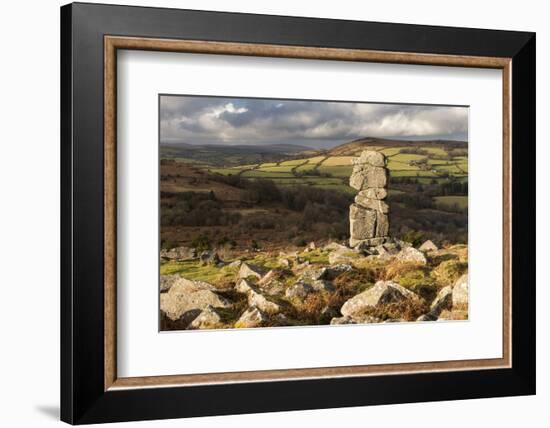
<point x="355" y="147"/>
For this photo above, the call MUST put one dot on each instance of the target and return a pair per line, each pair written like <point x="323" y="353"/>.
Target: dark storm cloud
<point x="258" y="121"/>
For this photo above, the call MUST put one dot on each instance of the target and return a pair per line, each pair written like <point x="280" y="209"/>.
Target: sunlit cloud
<point x="216" y="120"/>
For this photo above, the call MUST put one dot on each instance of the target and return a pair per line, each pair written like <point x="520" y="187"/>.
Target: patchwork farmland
<point x="424" y="164"/>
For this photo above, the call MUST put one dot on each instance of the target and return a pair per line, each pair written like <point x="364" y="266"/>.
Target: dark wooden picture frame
<point x="90" y="389"/>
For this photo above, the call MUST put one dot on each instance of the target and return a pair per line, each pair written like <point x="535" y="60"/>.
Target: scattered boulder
<point x="271" y="284"/>
<point x="243" y="286"/>
<point x="286" y="263"/>
<point x="235" y="264"/>
<point x="342" y="256"/>
<point x="354" y="320"/>
<point x="256" y="298"/>
<point x="412" y="255"/>
<point x="299" y="289"/>
<point x="178" y="253"/>
<point x="210" y="258"/>
<point x="248" y="270"/>
<point x="343" y="320"/>
<point x="460" y="291"/>
<point x="186" y="299"/>
<point x="428" y="246"/>
<point x="252" y="317"/>
<point x="269" y="276"/>
<point x="322" y="285"/>
<point x="208" y="318"/>
<point x="443" y="300"/>
<point x="332" y="272"/>
<point x="263" y="303"/>
<point x="332" y="246"/>
<point x="387" y="250"/>
<point x="382" y="292"/>
<point x="367" y="244"/>
<point x="166" y="282"/>
<point x="314" y="274"/>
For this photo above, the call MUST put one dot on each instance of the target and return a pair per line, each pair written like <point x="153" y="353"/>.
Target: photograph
<point x="292" y="213"/>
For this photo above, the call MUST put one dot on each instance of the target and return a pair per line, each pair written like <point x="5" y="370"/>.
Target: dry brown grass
<point x="408" y="310"/>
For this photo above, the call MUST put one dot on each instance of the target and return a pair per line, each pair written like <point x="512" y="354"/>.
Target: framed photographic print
<point x="275" y="213"/>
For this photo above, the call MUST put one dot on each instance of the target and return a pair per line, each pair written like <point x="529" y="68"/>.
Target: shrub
<point x="201" y="243"/>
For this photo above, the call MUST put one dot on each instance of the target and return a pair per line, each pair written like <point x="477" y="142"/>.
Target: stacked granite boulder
<point x="368" y="216"/>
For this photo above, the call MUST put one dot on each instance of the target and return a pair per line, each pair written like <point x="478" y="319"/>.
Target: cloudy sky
<point x="216" y="120"/>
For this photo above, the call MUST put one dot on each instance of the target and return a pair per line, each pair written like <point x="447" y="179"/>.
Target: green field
<point x="328" y="171"/>
<point x="449" y="201"/>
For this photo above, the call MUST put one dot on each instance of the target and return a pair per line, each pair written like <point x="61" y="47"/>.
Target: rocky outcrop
<point x="383" y="292"/>
<point x="252" y="317"/>
<point x="368" y="216"/>
<point x="210" y="258"/>
<point x="411" y="255"/>
<point x="460" y="291"/>
<point x="451" y="302"/>
<point x="178" y="253"/>
<point x="248" y="270"/>
<point x="256" y="298"/>
<point x="343" y="255"/>
<point x="428" y="246"/>
<point x="208" y="318"/>
<point x="366" y="319"/>
<point x="186" y="299"/>
<point x="166" y="282"/>
<point x="300" y="290"/>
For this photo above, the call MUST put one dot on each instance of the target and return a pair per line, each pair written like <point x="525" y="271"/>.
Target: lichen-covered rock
<point x="334" y="246"/>
<point x="186" y="298"/>
<point x="332" y="272"/>
<point x="263" y="303"/>
<point x="428" y="246"/>
<point x="314" y="274"/>
<point x="366" y="244"/>
<point x="371" y="204"/>
<point x="370" y="157"/>
<point x="300" y="289"/>
<point x="248" y="270"/>
<point x="362" y="222"/>
<point x="322" y="285"/>
<point x="412" y="255"/>
<point x="256" y="298"/>
<point x="343" y="256"/>
<point x="210" y="258"/>
<point x="366" y="319"/>
<point x="382" y="224"/>
<point x="243" y="286"/>
<point x="372" y="193"/>
<point x="178" y="253"/>
<point x="460" y="291"/>
<point x="383" y="292"/>
<point x="285" y="263"/>
<point x="235" y="264"/>
<point x="208" y="318"/>
<point x="166" y="282"/>
<point x="252" y="317"/>
<point x="367" y="176"/>
<point x="443" y="300"/>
